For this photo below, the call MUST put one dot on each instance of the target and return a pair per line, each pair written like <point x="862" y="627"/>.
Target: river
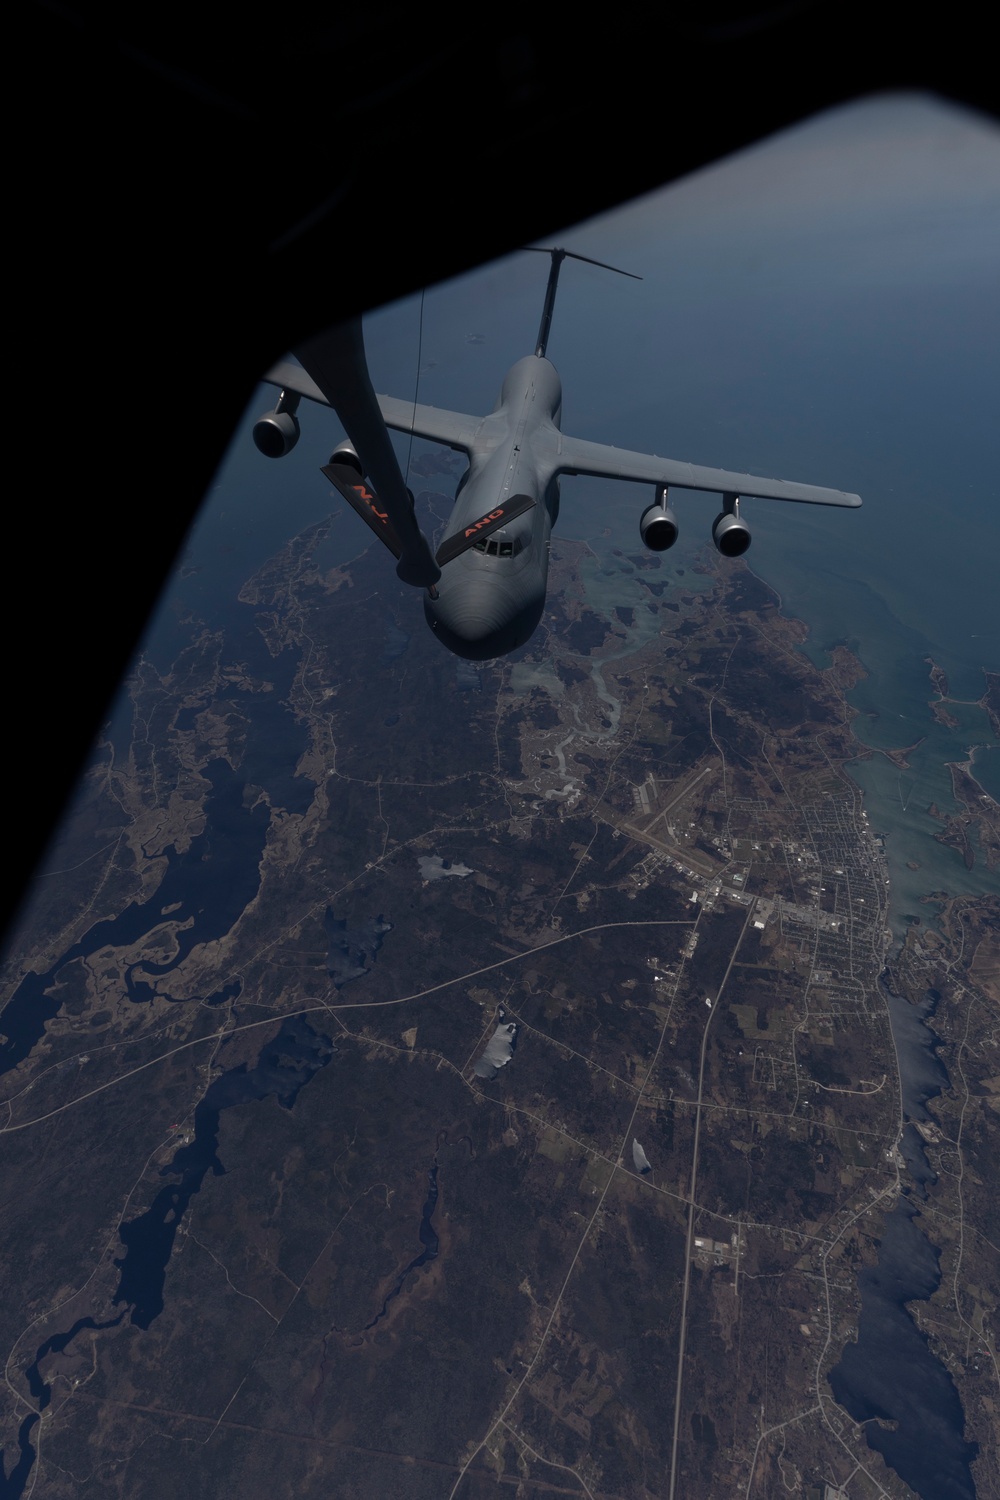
<point x="888" y="1378"/>
<point x="209" y="885"/>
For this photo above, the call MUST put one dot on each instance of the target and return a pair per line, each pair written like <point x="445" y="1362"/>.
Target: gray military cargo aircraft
<point x="485" y="590"/>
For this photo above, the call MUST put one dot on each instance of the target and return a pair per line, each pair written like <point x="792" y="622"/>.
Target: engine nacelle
<point x="658" y="527"/>
<point x="276" y="433"/>
<point x="347" y="454"/>
<point x="730" y="533"/>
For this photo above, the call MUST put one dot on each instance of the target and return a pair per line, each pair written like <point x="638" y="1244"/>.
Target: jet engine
<point x="347" y="454"/>
<point x="276" y="433"/>
<point x="658" y="525"/>
<point x="730" y="532"/>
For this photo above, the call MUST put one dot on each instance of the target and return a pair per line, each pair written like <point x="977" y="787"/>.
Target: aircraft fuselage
<point x="485" y="585"/>
<point x="490" y="599"/>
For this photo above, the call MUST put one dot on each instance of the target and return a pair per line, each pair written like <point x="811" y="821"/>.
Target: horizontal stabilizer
<point x="453" y="546"/>
<point x="361" y="497"/>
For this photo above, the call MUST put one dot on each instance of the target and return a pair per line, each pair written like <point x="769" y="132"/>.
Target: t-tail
<point x="558" y="255"/>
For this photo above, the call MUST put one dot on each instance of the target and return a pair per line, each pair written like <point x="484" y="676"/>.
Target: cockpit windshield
<point x="387" y="985"/>
<point x="495" y="548"/>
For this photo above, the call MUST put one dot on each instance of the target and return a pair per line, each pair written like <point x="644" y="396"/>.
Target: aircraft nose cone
<point x="466" y="613"/>
<point x="478" y="622"/>
<point x="467" y="630"/>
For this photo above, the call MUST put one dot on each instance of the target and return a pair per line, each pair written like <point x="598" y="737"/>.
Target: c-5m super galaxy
<point x="485" y="587"/>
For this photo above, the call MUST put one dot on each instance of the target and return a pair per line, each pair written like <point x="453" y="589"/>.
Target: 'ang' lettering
<point x="484" y="521"/>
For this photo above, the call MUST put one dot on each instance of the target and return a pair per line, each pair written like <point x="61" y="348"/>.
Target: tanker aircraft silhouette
<point x="490" y="592"/>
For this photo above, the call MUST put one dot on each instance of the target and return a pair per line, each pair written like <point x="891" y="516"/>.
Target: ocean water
<point x="824" y="306"/>
<point x="987" y="771"/>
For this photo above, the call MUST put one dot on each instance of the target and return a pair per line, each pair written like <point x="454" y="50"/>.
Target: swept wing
<point x="596" y="459"/>
<point x="574" y="455"/>
<point x="450" y="428"/>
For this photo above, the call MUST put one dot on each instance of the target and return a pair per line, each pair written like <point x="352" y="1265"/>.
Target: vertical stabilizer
<point x="558" y="256"/>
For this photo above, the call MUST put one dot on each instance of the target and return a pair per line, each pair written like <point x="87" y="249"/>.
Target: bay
<point x="824" y="306"/>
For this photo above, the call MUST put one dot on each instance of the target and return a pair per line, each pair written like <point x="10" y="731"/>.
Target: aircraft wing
<point x="578" y="457"/>
<point x="451" y="428"/>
